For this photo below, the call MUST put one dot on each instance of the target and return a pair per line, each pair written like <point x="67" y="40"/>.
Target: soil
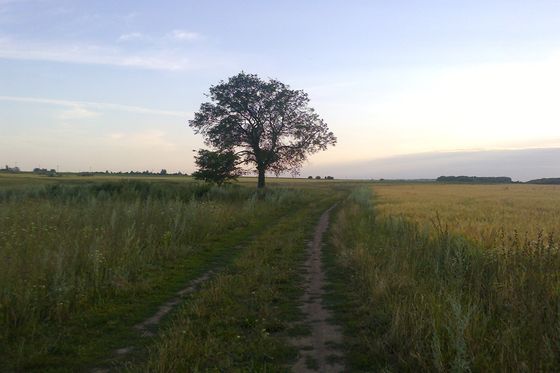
<point x="320" y="351"/>
<point x="146" y="327"/>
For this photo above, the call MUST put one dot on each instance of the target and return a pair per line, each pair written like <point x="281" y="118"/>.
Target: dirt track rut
<point x="320" y="351"/>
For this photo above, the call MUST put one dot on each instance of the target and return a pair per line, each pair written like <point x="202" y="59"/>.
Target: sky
<point x="107" y="85"/>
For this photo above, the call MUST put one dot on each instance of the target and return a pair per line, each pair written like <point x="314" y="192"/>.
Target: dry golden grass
<point x="481" y="212"/>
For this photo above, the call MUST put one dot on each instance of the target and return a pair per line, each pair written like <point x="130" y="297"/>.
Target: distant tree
<point x="310" y="177"/>
<point x="318" y="177"/>
<point x="475" y="179"/>
<point x="216" y="167"/>
<point x="329" y="178"/>
<point x="265" y="123"/>
<point x="550" y="180"/>
<point x="163" y="172"/>
<point x="15" y="169"/>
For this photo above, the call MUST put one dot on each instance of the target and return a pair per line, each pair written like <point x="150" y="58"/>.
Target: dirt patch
<point x="146" y="327"/>
<point x="318" y="352"/>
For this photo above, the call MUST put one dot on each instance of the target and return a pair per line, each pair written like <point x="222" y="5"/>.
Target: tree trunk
<point x="261" y="178"/>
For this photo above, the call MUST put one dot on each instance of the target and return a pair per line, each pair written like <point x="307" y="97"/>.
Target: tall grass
<point x="66" y="248"/>
<point x="430" y="300"/>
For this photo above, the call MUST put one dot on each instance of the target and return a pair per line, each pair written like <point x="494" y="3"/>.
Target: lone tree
<point x="216" y="167"/>
<point x="264" y="123"/>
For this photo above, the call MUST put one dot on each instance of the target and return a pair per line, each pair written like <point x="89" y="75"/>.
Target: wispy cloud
<point x="8" y="2"/>
<point x="6" y="10"/>
<point x="77" y="112"/>
<point x="131" y="36"/>
<point x="161" y="40"/>
<point x="157" y="59"/>
<point x="182" y="35"/>
<point x="144" y="140"/>
<point x="82" y="109"/>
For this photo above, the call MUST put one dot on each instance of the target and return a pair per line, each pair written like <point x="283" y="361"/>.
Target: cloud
<point x="182" y="35"/>
<point x="131" y="37"/>
<point x="82" y="109"/>
<point x="8" y="2"/>
<point x="483" y="105"/>
<point x="156" y="59"/>
<point x="519" y="164"/>
<point x="143" y="140"/>
<point x="160" y="41"/>
<point x="493" y="105"/>
<point x="77" y="112"/>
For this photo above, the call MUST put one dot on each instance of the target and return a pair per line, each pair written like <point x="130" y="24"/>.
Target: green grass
<point x="29" y="178"/>
<point x="83" y="263"/>
<point x="84" y="259"/>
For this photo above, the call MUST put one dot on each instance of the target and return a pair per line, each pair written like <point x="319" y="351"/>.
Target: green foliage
<point x="8" y="169"/>
<point x="216" y="167"/>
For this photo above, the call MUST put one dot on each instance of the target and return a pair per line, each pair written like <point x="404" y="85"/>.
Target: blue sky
<point x="111" y="85"/>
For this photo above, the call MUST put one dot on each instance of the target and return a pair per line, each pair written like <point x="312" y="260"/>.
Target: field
<point x="485" y="213"/>
<point x="419" y="277"/>
<point x="86" y="259"/>
<point x="449" y="277"/>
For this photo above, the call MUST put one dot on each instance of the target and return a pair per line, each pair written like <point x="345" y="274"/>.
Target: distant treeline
<point x="549" y="180"/>
<point x="475" y="179"/>
<point x="53" y="172"/>
<point x="163" y="172"/>
<point x="43" y="171"/>
<point x="12" y="170"/>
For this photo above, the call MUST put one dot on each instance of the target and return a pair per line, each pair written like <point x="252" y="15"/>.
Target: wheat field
<point x="488" y="214"/>
<point x="449" y="277"/>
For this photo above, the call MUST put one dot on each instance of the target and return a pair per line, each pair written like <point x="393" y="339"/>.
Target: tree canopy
<point x="264" y="123"/>
<point x="216" y="167"/>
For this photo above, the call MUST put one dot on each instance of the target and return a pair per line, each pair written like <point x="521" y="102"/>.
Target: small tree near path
<point x="265" y="123"/>
<point x="216" y="167"/>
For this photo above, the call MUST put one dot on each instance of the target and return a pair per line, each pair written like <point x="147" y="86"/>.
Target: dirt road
<point x="320" y="351"/>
